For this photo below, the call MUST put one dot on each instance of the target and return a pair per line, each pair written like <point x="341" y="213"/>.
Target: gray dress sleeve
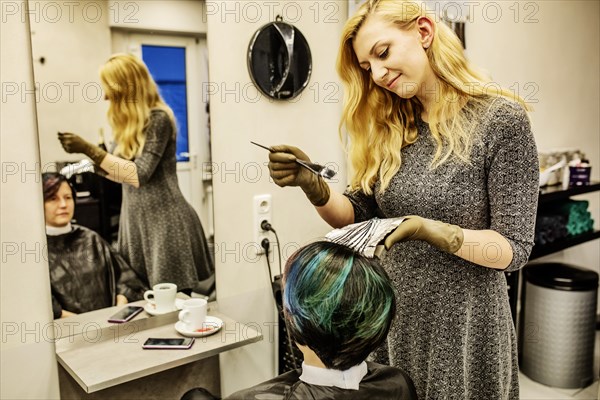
<point x="158" y="133"/>
<point x="513" y="176"/>
<point x="365" y="206"/>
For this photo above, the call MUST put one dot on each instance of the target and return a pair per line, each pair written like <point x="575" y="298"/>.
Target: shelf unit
<point x="541" y="251"/>
<point x="553" y="193"/>
<point x="550" y="194"/>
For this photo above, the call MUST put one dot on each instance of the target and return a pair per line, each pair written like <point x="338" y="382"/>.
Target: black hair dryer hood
<point x="279" y="60"/>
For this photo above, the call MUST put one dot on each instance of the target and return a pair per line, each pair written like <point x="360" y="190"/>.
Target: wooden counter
<point x="113" y="355"/>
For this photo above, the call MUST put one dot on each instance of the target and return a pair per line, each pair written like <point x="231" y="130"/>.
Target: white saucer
<point x="211" y="322"/>
<point x="149" y="307"/>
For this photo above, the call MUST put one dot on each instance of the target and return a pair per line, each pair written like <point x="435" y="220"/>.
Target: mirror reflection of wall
<point x="71" y="41"/>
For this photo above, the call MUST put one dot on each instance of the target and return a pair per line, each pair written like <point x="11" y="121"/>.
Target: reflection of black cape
<point x="86" y="274"/>
<point x="381" y="382"/>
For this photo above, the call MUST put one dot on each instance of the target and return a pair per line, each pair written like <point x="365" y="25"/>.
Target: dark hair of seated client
<point x="338" y="303"/>
<point x="51" y="182"/>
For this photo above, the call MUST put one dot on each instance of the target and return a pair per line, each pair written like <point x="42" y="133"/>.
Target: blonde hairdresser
<point x="160" y="234"/>
<point x="431" y="139"/>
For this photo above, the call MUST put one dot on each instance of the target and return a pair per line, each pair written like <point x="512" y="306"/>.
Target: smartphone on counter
<point x="168" y="343"/>
<point x="126" y="314"/>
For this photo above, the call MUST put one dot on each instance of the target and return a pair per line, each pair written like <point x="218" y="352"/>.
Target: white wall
<point x="27" y="362"/>
<point x="70" y="97"/>
<point x="182" y="16"/>
<point x="550" y="55"/>
<point x="550" y="52"/>
<point x="239" y="115"/>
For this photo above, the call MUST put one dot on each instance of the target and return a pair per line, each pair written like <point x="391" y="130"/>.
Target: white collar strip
<point x="348" y="379"/>
<point x="55" y="231"/>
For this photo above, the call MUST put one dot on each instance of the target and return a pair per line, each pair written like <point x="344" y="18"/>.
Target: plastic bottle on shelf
<point x="565" y="173"/>
<point x="553" y="178"/>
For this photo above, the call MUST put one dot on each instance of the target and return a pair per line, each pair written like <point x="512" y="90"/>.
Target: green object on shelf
<point x="579" y="219"/>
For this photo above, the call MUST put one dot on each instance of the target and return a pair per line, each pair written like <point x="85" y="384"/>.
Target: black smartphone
<point x="168" y="343"/>
<point x="125" y="314"/>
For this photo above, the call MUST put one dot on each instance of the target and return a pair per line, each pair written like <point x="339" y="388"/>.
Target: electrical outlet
<point x="262" y="212"/>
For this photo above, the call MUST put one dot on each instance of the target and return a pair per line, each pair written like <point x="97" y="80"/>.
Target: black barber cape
<point x="381" y="382"/>
<point x="86" y="273"/>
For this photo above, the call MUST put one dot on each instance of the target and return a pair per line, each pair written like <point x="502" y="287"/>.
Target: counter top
<point x="113" y="355"/>
<point x="89" y="322"/>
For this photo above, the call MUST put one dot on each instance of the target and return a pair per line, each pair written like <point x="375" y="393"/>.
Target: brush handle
<point x="260" y="145"/>
<point x="312" y="167"/>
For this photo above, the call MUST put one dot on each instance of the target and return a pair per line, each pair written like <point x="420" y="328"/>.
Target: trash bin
<point x="558" y="324"/>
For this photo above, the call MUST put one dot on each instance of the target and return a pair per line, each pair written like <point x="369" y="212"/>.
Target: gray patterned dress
<point x="160" y="234"/>
<point x="453" y="333"/>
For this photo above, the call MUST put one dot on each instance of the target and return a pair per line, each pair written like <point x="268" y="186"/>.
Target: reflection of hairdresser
<point x="338" y="307"/>
<point x="85" y="273"/>
<point x="160" y="234"/>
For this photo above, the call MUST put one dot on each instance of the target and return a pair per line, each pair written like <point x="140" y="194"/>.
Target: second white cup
<point x="193" y="313"/>
<point x="163" y="297"/>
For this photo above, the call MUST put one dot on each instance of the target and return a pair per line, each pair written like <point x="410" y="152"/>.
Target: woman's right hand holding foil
<point x="285" y="171"/>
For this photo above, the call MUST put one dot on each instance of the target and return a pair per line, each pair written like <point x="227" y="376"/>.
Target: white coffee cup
<point x="163" y="297"/>
<point x="193" y="313"/>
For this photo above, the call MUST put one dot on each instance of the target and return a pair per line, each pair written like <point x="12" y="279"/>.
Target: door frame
<point x="196" y="187"/>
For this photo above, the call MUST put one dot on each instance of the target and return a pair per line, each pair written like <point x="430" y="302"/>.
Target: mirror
<point x="279" y="60"/>
<point x="70" y="42"/>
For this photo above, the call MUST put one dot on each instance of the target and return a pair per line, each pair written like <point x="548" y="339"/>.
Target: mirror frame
<point x="291" y="37"/>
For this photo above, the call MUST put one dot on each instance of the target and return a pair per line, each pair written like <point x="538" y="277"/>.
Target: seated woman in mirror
<point x="85" y="273"/>
<point x="160" y="234"/>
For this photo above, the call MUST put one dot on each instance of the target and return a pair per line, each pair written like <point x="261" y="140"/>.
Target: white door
<point x="195" y="186"/>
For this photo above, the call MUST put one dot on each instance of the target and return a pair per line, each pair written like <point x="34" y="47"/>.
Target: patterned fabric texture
<point x="453" y="333"/>
<point x="160" y="234"/>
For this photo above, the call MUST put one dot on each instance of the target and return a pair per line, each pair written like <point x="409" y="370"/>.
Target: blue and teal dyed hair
<point x="338" y="303"/>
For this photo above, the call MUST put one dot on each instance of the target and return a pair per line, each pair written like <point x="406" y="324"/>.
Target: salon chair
<point x="198" y="394"/>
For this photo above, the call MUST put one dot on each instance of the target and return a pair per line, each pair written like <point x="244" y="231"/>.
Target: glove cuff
<point x="455" y="238"/>
<point x="96" y="154"/>
<point x="318" y="193"/>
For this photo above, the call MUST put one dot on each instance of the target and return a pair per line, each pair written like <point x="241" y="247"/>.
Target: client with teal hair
<point x="338" y="308"/>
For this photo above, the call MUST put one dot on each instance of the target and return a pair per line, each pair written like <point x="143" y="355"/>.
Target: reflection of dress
<point x="86" y="274"/>
<point x="381" y="382"/>
<point x="454" y="334"/>
<point x="160" y="234"/>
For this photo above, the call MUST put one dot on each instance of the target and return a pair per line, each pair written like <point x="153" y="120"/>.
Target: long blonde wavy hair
<point x="379" y="123"/>
<point x="132" y="94"/>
